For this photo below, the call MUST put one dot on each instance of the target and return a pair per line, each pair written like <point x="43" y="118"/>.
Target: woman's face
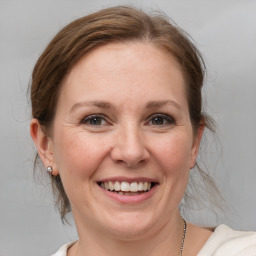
<point x="122" y="123"/>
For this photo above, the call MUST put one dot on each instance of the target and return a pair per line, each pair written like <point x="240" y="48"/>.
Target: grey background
<point x="224" y="31"/>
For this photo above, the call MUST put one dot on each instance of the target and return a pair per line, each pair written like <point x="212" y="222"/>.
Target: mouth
<point x="127" y="188"/>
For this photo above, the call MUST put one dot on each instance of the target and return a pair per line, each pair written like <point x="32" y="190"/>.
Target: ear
<point x="196" y="145"/>
<point x="43" y="144"/>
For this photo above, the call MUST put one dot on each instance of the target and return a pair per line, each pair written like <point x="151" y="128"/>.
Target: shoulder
<point x="63" y="249"/>
<point x="226" y="241"/>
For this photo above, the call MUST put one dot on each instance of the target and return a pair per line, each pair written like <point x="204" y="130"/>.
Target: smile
<point x="127" y="188"/>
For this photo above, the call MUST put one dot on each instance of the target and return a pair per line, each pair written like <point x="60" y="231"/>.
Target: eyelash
<point x="89" y="118"/>
<point x="165" y="120"/>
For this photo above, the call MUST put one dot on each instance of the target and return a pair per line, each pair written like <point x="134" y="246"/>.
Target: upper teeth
<point x="126" y="186"/>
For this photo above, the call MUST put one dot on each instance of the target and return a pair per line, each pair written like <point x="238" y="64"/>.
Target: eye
<point x="94" y="120"/>
<point x="161" y="120"/>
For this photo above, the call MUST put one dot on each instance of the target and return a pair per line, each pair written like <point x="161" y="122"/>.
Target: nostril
<point x="129" y="150"/>
<point x="129" y="163"/>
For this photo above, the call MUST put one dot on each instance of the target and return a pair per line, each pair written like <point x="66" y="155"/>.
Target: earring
<point x="49" y="169"/>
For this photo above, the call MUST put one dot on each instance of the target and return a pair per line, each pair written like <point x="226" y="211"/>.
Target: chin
<point x="130" y="226"/>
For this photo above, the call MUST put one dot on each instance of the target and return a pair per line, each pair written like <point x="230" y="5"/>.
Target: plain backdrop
<point x="224" y="31"/>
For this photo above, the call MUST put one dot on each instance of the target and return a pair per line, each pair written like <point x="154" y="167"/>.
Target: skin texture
<point x="142" y="129"/>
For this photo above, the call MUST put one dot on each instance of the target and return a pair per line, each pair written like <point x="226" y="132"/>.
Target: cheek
<point x="77" y="155"/>
<point x="174" y="154"/>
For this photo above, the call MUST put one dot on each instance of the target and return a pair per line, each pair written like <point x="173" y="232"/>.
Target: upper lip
<point x="128" y="179"/>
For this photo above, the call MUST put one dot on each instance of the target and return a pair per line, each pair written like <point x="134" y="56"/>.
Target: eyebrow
<point x="99" y="104"/>
<point x="161" y="103"/>
<point x="107" y="105"/>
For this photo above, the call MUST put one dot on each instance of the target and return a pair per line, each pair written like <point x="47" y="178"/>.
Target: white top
<point x="223" y="242"/>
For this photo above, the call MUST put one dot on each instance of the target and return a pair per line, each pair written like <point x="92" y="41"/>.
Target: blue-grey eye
<point x="161" y="120"/>
<point x="94" y="120"/>
<point x="157" y="120"/>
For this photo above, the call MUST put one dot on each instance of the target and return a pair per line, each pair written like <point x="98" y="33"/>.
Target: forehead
<point x="125" y="55"/>
<point x="133" y="67"/>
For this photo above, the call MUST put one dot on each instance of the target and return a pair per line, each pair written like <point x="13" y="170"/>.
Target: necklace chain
<point x="183" y="237"/>
<point x="182" y="241"/>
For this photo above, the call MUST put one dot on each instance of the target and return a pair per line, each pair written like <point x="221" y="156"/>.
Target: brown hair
<point x="116" y="24"/>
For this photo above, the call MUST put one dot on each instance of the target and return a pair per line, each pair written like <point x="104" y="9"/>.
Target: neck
<point x="165" y="240"/>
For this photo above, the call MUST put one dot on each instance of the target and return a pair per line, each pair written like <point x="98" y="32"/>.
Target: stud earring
<point x="49" y="169"/>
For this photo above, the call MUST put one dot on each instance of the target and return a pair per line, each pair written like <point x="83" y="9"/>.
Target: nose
<point x="129" y="148"/>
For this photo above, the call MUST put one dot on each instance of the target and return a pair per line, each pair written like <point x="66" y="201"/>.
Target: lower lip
<point x="134" y="199"/>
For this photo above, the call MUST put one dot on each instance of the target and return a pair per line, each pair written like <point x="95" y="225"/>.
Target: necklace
<point x="182" y="241"/>
<point x="183" y="237"/>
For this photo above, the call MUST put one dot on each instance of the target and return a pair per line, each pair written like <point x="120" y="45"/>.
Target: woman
<point x="117" y="122"/>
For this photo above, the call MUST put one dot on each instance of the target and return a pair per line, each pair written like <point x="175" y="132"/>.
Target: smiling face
<point x="122" y="124"/>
